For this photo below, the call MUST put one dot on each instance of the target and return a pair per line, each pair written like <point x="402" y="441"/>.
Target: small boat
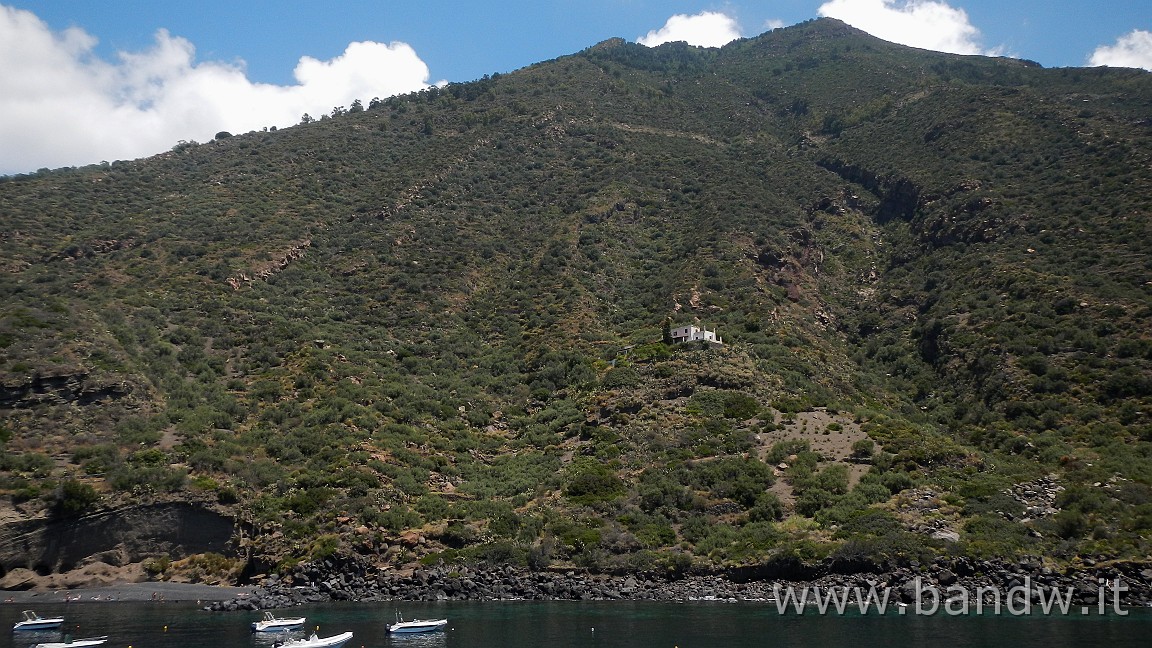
<point x="272" y="623"/>
<point x="419" y="625"/>
<point x="315" y="641"/>
<point x="33" y="621"/>
<point x="72" y="643"/>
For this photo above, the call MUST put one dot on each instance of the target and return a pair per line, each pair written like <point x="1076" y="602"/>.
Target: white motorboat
<point x="33" y="621"/>
<point x="315" y="641"/>
<point x="73" y="643"/>
<point x="418" y="625"/>
<point x="272" y="623"/>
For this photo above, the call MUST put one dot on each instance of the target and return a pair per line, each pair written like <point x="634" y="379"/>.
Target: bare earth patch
<point x="818" y="429"/>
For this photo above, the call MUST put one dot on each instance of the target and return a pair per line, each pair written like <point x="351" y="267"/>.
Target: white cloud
<point x="927" y="24"/>
<point x="60" y="105"/>
<point x="706" y="29"/>
<point x="1132" y="50"/>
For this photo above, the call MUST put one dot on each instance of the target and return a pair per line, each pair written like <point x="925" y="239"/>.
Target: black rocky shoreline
<point x="325" y="581"/>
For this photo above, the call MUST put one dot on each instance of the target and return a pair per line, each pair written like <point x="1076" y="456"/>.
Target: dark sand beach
<point x="158" y="591"/>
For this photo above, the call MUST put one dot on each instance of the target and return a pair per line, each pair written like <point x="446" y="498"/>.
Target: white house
<point x="691" y="333"/>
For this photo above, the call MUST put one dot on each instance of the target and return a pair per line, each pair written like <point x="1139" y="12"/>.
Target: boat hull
<point x="317" y="642"/>
<point x="282" y="625"/>
<point x="273" y="623"/>
<point x="91" y="641"/>
<point x="412" y="627"/>
<point x="46" y="624"/>
<point x="33" y="622"/>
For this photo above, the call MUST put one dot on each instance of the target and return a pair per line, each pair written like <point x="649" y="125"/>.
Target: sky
<point x="84" y="82"/>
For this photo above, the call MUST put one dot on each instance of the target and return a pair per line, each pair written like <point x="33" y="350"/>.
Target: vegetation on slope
<point x="431" y="329"/>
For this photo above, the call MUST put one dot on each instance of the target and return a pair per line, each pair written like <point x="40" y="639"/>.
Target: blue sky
<point x="84" y="81"/>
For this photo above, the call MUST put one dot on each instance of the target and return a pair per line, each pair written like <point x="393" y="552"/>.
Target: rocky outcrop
<point x="1038" y="497"/>
<point x="957" y="214"/>
<point x="349" y="581"/>
<point x="115" y="537"/>
<point x="75" y="388"/>
<point x="899" y="197"/>
<point x="91" y="248"/>
<point x="268" y="270"/>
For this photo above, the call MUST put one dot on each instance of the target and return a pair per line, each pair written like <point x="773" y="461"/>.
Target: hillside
<point x="429" y="327"/>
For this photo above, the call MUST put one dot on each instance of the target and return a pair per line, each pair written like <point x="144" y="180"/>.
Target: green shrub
<point x="324" y="547"/>
<point x="398" y="518"/>
<point x="741" y="479"/>
<point x="457" y="535"/>
<point x="896" y="545"/>
<point x="656" y="535"/>
<point x="897" y="480"/>
<point x="501" y="553"/>
<point x="738" y="405"/>
<point x="157" y="565"/>
<point x="723" y="403"/>
<point x="139" y="431"/>
<point x="505" y="523"/>
<point x="35" y="464"/>
<point x="651" y="352"/>
<point x="128" y="477"/>
<point x="211" y="566"/>
<point x="588" y="482"/>
<point x="576" y="536"/>
<point x="870" y="522"/>
<point x="448" y="557"/>
<point x="620" y="377"/>
<point x="74" y="497"/>
<point x="767" y="508"/>
<point x="227" y="495"/>
<point x="781" y="450"/>
<point x="658" y="490"/>
<point x="309" y="501"/>
<point x="96" y="459"/>
<point x="991" y="535"/>
<point x="813" y="500"/>
<point x="863" y="449"/>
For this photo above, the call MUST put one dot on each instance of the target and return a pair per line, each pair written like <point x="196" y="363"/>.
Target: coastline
<point x="159" y="591"/>
<point x="329" y="581"/>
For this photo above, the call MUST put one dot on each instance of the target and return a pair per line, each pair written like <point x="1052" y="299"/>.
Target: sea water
<point x="523" y="624"/>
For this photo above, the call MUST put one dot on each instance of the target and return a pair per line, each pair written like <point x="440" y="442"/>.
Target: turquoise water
<point x="524" y="624"/>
